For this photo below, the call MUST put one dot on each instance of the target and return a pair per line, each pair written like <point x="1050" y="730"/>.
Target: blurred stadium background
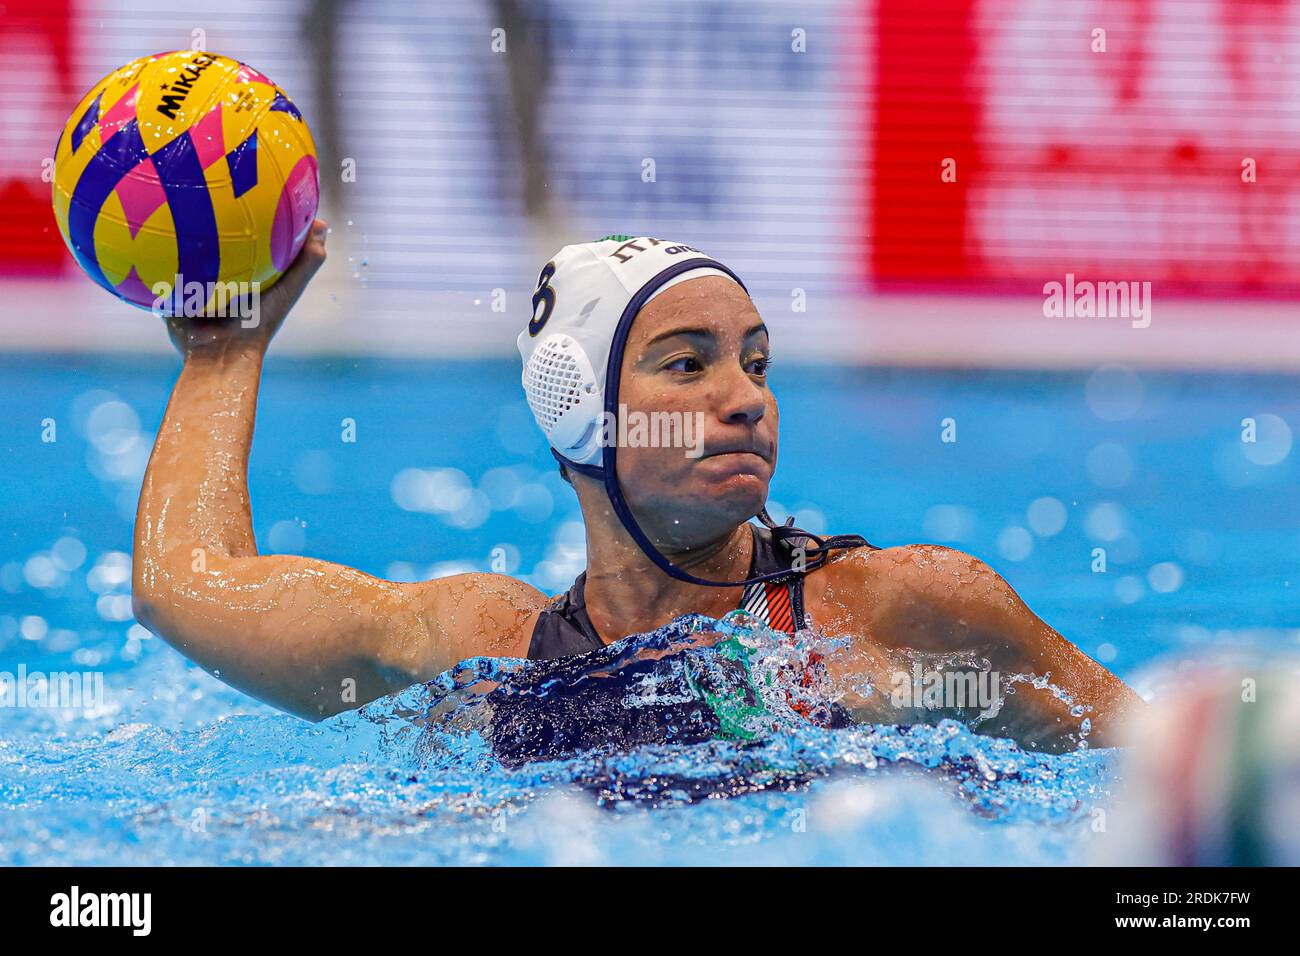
<point x="801" y="142"/>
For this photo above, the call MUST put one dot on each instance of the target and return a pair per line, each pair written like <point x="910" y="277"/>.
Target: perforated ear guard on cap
<point x="565" y="397"/>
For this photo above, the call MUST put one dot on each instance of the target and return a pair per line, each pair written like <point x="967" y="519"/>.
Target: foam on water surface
<point x="423" y="776"/>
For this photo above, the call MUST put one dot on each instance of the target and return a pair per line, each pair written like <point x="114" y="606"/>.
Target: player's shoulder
<point x="480" y="613"/>
<point x="899" y="569"/>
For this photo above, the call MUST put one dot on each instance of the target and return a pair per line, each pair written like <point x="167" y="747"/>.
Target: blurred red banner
<point x="1016" y="141"/>
<point x="37" y="85"/>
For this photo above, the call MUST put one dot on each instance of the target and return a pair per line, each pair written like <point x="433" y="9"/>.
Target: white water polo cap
<point x="586" y="299"/>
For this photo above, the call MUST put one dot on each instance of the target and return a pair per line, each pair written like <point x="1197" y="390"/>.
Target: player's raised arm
<point x="311" y="637"/>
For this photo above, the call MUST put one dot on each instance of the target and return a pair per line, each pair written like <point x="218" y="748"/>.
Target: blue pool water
<point x="1200" y="532"/>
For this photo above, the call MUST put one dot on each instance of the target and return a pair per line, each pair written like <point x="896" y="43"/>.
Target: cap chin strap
<point x="786" y="536"/>
<point x="607" y="472"/>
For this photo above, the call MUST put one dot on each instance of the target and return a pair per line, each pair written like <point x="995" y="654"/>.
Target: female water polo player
<point x="620" y="327"/>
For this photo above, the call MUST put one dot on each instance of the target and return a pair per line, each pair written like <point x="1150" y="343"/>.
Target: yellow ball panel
<point x="151" y="253"/>
<point x="244" y="106"/>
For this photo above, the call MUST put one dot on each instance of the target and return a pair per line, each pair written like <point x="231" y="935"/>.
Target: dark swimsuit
<point x="550" y="712"/>
<point x="564" y="627"/>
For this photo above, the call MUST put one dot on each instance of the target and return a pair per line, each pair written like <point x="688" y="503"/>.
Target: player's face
<point x="695" y="375"/>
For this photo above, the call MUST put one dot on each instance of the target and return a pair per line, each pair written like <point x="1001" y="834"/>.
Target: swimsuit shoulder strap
<point x="779" y="602"/>
<point x="563" y="627"/>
